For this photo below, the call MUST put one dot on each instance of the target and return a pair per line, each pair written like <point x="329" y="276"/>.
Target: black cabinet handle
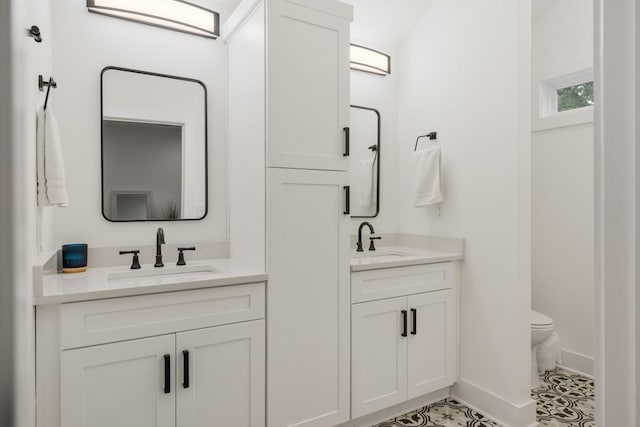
<point x="414" y="326"/>
<point x="346" y="142"/>
<point x="167" y="373"/>
<point x="404" y="323"/>
<point x="185" y="368"/>
<point x="347" y="199"/>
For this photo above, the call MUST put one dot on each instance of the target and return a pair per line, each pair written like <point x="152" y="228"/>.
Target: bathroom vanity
<point x="404" y="333"/>
<point x="116" y="348"/>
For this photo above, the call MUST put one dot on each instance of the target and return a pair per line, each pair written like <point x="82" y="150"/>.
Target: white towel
<point x="366" y="182"/>
<point x="426" y="176"/>
<point x="52" y="187"/>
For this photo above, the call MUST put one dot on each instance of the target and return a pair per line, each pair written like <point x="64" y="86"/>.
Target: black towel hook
<point x="34" y="32"/>
<point x="49" y="84"/>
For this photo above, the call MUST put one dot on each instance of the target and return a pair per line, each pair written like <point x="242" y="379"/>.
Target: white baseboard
<point x="397" y="410"/>
<point x="578" y="363"/>
<point x="504" y="412"/>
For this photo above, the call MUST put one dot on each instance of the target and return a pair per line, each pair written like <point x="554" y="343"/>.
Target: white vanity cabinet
<point x="404" y="334"/>
<point x="178" y="359"/>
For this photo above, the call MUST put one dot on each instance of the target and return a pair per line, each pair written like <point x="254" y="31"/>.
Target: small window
<point x="576" y="96"/>
<point x="566" y="93"/>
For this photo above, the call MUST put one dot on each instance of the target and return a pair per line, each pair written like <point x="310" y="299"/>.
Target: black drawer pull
<point x="167" y="373"/>
<point x="346" y="142"/>
<point x="414" y="327"/>
<point x="404" y="323"/>
<point x="185" y="367"/>
<point x="347" y="199"/>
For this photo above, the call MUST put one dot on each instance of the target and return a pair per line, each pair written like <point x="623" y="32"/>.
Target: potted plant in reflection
<point x="171" y="211"/>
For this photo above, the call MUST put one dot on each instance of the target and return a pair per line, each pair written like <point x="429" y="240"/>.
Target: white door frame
<point x="616" y="223"/>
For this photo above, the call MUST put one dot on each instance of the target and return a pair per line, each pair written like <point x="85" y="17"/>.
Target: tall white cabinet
<point x="288" y="76"/>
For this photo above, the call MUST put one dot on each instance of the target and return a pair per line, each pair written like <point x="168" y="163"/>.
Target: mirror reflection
<point x="154" y="146"/>
<point x="365" y="161"/>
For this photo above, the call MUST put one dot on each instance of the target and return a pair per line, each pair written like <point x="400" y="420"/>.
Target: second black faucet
<point x="371" y="238"/>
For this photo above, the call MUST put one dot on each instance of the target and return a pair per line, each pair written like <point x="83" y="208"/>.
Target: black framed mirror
<point x="154" y="146"/>
<point x="365" y="161"/>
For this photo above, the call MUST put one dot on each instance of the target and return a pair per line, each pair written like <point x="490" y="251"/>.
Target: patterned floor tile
<point x="446" y="413"/>
<point x="565" y="400"/>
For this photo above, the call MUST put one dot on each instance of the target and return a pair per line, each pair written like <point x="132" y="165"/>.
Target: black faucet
<point x="159" y="243"/>
<point x="371" y="231"/>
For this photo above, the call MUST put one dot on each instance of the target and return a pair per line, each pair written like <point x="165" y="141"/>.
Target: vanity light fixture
<point x="175" y="15"/>
<point x="369" y="60"/>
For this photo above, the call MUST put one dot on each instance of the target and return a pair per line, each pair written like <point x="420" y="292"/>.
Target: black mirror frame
<point x="206" y="144"/>
<point x="377" y="161"/>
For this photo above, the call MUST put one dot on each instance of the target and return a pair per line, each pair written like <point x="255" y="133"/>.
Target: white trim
<point x="504" y="412"/>
<point x="577" y="363"/>
<point x="399" y="409"/>
<point x="563" y="118"/>
<point x="616" y="220"/>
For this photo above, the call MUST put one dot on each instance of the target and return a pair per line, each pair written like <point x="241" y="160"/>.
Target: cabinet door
<point x="307" y="299"/>
<point x="379" y="355"/>
<point x="308" y="83"/>
<point x="121" y="384"/>
<point x="432" y="342"/>
<point x="221" y="377"/>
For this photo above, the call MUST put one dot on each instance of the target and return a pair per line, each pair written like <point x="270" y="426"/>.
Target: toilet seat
<point x="540" y="321"/>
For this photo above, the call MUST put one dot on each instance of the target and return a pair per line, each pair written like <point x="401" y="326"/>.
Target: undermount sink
<point x="379" y="256"/>
<point x="182" y="272"/>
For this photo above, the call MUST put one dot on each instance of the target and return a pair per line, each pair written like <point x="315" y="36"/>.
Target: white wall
<point x="562" y="190"/>
<point x="84" y="44"/>
<point x="461" y="72"/>
<point x="27" y="60"/>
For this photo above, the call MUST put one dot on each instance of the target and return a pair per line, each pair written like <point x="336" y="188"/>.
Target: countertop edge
<point x="407" y="262"/>
<point x="151" y="289"/>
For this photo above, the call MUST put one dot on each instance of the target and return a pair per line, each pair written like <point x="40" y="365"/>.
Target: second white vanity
<point x="404" y="326"/>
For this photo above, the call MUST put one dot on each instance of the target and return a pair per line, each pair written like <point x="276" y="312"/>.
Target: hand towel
<point x="426" y="177"/>
<point x="52" y="187"/>
<point x="366" y="182"/>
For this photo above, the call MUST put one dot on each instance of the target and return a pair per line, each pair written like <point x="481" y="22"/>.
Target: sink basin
<point x="378" y="256"/>
<point x="177" y="273"/>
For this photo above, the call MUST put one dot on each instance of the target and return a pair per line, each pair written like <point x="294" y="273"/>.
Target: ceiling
<point x="385" y="23"/>
<point x="376" y="23"/>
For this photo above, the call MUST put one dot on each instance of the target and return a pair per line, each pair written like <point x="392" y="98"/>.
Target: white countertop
<point x="95" y="283"/>
<point x="387" y="257"/>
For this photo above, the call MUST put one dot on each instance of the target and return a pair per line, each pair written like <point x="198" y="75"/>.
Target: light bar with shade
<point x="175" y="15"/>
<point x="369" y="60"/>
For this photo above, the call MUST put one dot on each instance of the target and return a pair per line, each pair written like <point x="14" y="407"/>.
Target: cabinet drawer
<point x="392" y="282"/>
<point x="96" y="322"/>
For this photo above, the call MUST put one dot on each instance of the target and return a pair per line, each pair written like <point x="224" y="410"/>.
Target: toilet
<point x="541" y="330"/>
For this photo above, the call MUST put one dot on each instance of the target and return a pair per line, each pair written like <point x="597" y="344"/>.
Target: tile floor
<point x="564" y="400"/>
